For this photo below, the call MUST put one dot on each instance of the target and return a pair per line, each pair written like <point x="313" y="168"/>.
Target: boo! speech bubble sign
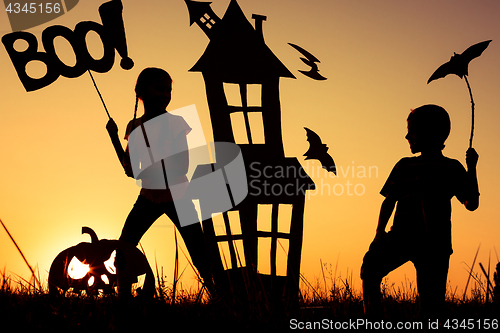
<point x="111" y="32"/>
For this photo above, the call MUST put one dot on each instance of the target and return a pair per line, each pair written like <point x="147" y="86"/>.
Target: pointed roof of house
<point x="196" y="9"/>
<point x="237" y="53"/>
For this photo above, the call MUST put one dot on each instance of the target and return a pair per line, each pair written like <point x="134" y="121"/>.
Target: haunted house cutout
<point x="238" y="59"/>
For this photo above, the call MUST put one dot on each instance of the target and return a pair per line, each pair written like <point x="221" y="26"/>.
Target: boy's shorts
<point x="389" y="252"/>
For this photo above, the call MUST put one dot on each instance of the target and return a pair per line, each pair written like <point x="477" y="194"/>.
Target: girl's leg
<point x="141" y="217"/>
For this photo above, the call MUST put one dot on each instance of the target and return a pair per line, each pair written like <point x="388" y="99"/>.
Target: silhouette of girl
<point x="154" y="87"/>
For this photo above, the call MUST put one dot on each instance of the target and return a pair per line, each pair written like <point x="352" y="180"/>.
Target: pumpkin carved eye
<point x="110" y="263"/>
<point x="76" y="269"/>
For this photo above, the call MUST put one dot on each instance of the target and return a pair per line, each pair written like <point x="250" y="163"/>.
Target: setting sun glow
<point x="60" y="170"/>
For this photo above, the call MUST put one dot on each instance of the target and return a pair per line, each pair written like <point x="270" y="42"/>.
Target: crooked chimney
<point x="258" y="24"/>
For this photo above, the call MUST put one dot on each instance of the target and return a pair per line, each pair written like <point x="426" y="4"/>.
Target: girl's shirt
<point x="166" y="136"/>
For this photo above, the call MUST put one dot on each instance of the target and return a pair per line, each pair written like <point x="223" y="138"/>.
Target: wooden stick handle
<point x="472" y="105"/>
<point x="102" y="100"/>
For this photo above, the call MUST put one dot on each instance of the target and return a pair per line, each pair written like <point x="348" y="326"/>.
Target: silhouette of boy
<point x="422" y="186"/>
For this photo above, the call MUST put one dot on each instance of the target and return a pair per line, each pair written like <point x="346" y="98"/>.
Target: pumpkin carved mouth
<point x="102" y="266"/>
<point x="78" y="270"/>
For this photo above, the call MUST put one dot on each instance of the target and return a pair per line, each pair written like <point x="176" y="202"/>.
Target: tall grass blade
<point x="488" y="283"/>
<point x="323" y="272"/>
<point x="470" y="273"/>
<point x="335" y="274"/>
<point x="176" y="267"/>
<point x="307" y="283"/>
<point x="22" y="255"/>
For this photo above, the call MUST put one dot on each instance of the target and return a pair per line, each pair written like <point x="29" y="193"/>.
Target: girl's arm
<point x="123" y="156"/>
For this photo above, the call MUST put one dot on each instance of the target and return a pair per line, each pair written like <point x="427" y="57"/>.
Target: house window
<point x="227" y="228"/>
<point x="232" y="92"/>
<point x="225" y="254"/>
<point x="264" y="217"/>
<point x="240" y="253"/>
<point x="264" y="253"/>
<point x="284" y="218"/>
<point x="264" y="263"/>
<point x="282" y="256"/>
<point x="273" y="230"/>
<point x="220" y="225"/>
<point x="254" y="92"/>
<point x="239" y="128"/>
<point x="234" y="222"/>
<point x="256" y="127"/>
<point x="207" y="21"/>
<point x="245" y="105"/>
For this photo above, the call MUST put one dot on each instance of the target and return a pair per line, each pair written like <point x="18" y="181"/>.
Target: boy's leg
<point x="383" y="256"/>
<point x="432" y="274"/>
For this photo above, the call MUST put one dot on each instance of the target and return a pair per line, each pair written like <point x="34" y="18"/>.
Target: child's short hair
<point x="433" y="121"/>
<point x="146" y="76"/>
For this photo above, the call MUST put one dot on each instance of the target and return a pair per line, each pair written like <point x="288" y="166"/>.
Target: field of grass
<point x="330" y="302"/>
<point x="327" y="302"/>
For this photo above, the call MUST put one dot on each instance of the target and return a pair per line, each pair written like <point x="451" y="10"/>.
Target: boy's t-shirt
<point x="423" y="188"/>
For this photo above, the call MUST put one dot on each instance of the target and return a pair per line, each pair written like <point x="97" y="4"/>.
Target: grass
<point x="27" y="305"/>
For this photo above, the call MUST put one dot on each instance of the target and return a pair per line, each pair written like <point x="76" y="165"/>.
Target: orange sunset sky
<point x="59" y="171"/>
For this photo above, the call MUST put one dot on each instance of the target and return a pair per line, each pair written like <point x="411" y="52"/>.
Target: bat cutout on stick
<point x="459" y="65"/>
<point x="309" y="60"/>
<point x="319" y="151"/>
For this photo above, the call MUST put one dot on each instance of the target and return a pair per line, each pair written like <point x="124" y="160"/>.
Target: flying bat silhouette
<point x="311" y="60"/>
<point x="459" y="63"/>
<point x="319" y="151"/>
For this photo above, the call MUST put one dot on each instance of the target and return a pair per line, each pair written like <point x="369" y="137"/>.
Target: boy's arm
<point x="385" y="213"/>
<point x="472" y="199"/>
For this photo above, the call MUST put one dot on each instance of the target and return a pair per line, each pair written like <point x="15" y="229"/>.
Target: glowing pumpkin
<point x="90" y="267"/>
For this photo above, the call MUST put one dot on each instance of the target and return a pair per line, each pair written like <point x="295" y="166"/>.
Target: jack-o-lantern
<point x="100" y="265"/>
